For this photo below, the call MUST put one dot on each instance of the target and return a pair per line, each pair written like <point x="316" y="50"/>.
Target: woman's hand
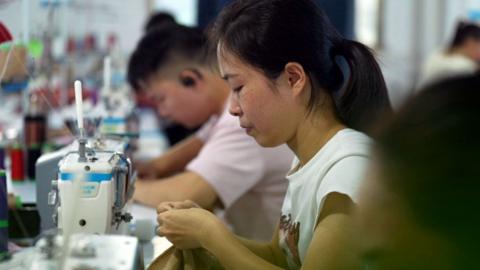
<point x="188" y="228"/>
<point x="165" y="206"/>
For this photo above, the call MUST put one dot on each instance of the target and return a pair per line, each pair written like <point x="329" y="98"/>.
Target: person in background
<point x="279" y="59"/>
<point x="419" y="207"/>
<point x="175" y="132"/>
<point x="220" y="167"/>
<point x="462" y="57"/>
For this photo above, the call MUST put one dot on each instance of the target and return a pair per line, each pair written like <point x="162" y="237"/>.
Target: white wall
<point x="184" y="11"/>
<point x="397" y="40"/>
<point x="412" y="30"/>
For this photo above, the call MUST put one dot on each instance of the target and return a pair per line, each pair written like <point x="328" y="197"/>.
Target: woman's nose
<point x="234" y="108"/>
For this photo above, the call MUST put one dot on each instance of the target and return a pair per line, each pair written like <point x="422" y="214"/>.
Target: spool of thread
<point x="16" y="161"/>
<point x="35" y="129"/>
<point x="3" y="216"/>
<point x="33" y="153"/>
<point x="2" y="157"/>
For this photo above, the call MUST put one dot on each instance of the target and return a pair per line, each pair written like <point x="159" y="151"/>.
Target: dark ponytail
<point x="268" y="34"/>
<point x="364" y="97"/>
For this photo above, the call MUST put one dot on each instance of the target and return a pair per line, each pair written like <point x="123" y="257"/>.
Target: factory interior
<point x="239" y="134"/>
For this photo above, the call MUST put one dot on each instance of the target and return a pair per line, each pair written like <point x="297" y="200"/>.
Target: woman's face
<point x="266" y="109"/>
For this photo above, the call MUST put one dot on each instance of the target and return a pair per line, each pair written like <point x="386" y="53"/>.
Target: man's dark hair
<point x="465" y="30"/>
<point x="160" y="45"/>
<point x="159" y="19"/>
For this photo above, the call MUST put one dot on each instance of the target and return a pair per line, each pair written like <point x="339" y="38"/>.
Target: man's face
<point x="473" y="49"/>
<point x="187" y="105"/>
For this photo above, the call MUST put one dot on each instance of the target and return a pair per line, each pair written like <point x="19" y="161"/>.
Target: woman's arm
<point x="234" y="253"/>
<point x="333" y="245"/>
<point x="196" y="227"/>
<point x="269" y="251"/>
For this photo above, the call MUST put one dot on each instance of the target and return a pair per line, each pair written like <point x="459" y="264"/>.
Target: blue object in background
<point x="342" y="15"/>
<point x="340" y="12"/>
<point x="207" y="11"/>
<point x="222" y="3"/>
<point x="12" y="87"/>
<point x="474" y="15"/>
<point x="54" y="3"/>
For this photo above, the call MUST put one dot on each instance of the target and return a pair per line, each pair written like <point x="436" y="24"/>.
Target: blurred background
<point x="403" y="33"/>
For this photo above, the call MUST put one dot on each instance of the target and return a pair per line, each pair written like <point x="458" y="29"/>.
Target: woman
<point x="419" y="208"/>
<point x="279" y="58"/>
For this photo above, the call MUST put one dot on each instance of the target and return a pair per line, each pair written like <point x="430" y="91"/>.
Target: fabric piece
<point x="192" y="259"/>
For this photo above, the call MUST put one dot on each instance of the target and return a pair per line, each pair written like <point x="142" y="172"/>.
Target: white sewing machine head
<point x="105" y="185"/>
<point x="94" y="184"/>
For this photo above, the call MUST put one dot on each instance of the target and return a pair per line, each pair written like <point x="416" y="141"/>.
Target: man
<point x="220" y="168"/>
<point x="175" y="132"/>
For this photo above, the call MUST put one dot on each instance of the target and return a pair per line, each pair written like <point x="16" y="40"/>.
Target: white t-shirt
<point x="338" y="167"/>
<point x="249" y="179"/>
<point x="441" y="65"/>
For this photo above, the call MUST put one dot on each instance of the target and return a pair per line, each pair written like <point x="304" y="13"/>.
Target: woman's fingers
<point x="160" y="231"/>
<point x="189" y="204"/>
<point x="182" y="226"/>
<point x="161" y="223"/>
<point x="165" y="206"/>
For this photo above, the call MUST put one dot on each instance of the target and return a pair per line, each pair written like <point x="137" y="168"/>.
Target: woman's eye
<point x="237" y="89"/>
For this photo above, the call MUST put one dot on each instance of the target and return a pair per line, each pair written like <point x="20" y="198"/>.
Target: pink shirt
<point x="249" y="179"/>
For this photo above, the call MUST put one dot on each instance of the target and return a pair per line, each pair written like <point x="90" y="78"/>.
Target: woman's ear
<point x="296" y="77"/>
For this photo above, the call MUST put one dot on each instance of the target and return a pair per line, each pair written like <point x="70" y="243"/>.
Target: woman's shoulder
<point x="352" y="142"/>
<point x="345" y="143"/>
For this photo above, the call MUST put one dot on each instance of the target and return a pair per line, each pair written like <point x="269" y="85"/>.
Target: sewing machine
<point x="88" y="197"/>
<point x="79" y="251"/>
<point x="106" y="157"/>
<point x="93" y="180"/>
<point x="105" y="184"/>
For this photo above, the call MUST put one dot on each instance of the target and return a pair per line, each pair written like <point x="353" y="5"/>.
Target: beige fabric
<point x="16" y="64"/>
<point x="176" y="259"/>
